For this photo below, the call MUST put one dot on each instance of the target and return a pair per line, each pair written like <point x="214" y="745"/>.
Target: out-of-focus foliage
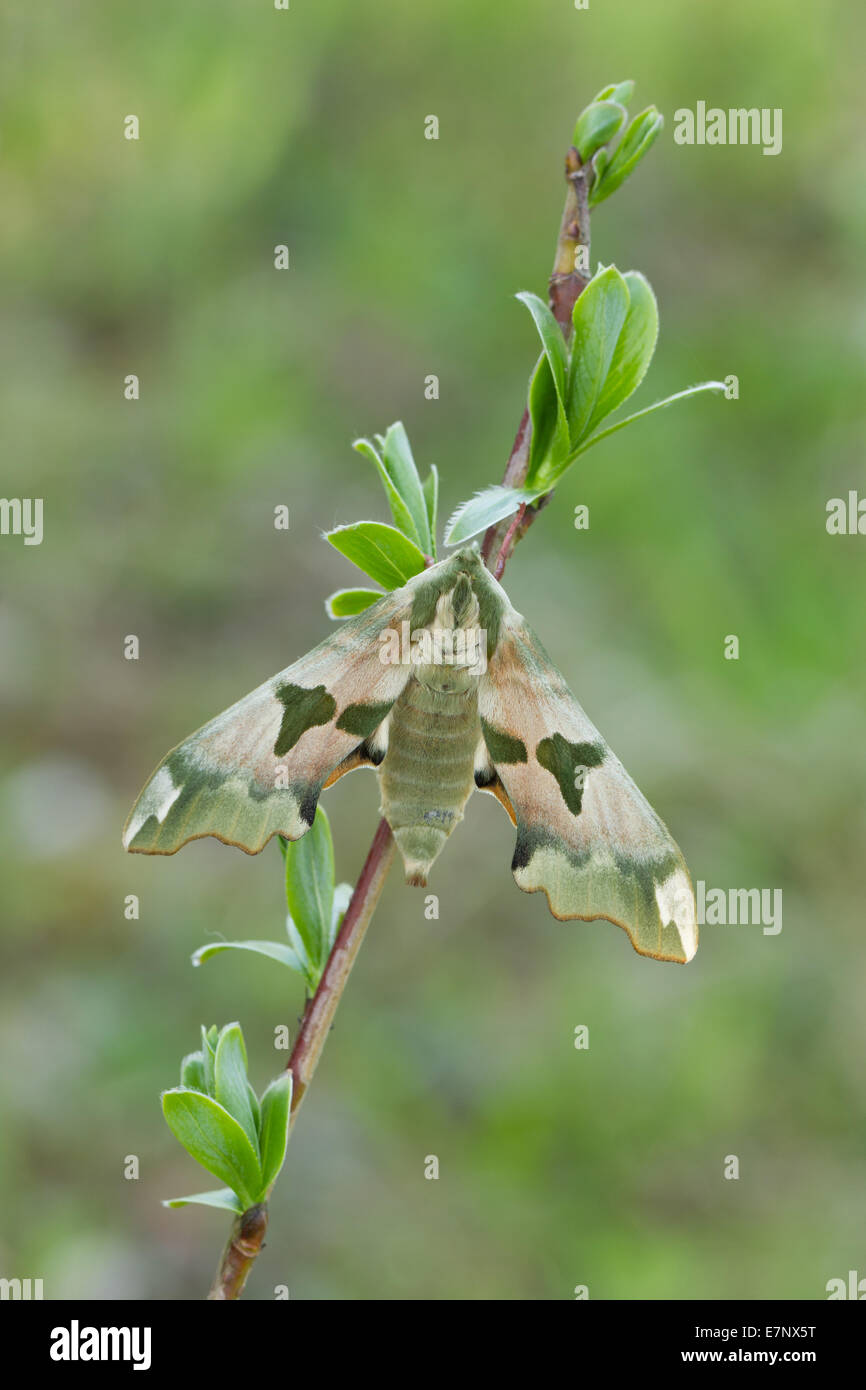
<point x="557" y="1167"/>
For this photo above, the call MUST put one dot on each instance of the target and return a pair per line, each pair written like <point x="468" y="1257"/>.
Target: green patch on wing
<point x="185" y="800"/>
<point x="303" y="709"/>
<point x="569" y="762"/>
<point x="651" y="898"/>
<point x="503" y="747"/>
<point x="362" y="719"/>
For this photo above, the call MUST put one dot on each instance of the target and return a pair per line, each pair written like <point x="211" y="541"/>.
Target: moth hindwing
<point x="437" y="717"/>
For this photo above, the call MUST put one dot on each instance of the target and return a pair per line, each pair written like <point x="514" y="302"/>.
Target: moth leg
<point x="487" y="780"/>
<point x="370" y="753"/>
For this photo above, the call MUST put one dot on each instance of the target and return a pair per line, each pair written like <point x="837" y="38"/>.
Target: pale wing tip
<point x="676" y="904"/>
<point x="157" y="799"/>
<point x="230" y="815"/>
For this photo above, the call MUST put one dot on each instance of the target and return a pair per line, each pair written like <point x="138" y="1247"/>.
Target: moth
<point x="442" y="687"/>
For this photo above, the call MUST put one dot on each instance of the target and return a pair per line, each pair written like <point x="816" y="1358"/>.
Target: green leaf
<point x="617" y="91"/>
<point x="641" y="134"/>
<point x="549" y="441"/>
<point x="276" y="1113"/>
<point x="381" y="551"/>
<point x="552" y="340"/>
<point x="276" y="950"/>
<point x="214" y="1139"/>
<point x="231" y="1088"/>
<point x="597" y="124"/>
<point x="396" y="468"/>
<point x="486" y="508"/>
<point x="431" y="498"/>
<point x="401" y="468"/>
<point x="256" y="1109"/>
<point x="600" y="161"/>
<point x="345" y="603"/>
<point x="598" y="317"/>
<point x="634" y="348"/>
<point x="208" y="1051"/>
<point x="310" y="887"/>
<point x="223" y="1197"/>
<point x="647" y="410"/>
<point x="192" y="1072"/>
<point x="399" y="510"/>
<point x="309" y="969"/>
<point x="342" y="897"/>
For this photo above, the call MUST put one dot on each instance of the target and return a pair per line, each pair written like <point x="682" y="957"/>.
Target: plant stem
<point x="564" y="287"/>
<point x="248" y="1231"/>
<point x="508" y="542"/>
<point x="320" y="1010"/>
<point x="244" y="1243"/>
<point x="566" y="283"/>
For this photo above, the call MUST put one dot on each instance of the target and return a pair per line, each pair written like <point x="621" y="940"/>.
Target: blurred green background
<point x="558" y="1167"/>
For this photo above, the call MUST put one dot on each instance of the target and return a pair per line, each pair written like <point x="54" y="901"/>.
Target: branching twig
<point x="566" y="283"/>
<point x="508" y="542"/>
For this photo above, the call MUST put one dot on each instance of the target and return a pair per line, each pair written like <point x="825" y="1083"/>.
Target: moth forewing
<point x="586" y="836"/>
<point x="258" y="768"/>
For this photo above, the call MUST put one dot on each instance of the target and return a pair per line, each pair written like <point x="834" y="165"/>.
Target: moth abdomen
<point x="427" y="775"/>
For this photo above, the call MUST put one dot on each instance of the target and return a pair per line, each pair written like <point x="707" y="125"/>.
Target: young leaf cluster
<point x="221" y="1122"/>
<point x="575" y="387"/>
<point x="389" y="554"/>
<point x="598" y="124"/>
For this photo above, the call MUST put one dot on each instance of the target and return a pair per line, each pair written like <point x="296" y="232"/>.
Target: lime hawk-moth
<point x="471" y="699"/>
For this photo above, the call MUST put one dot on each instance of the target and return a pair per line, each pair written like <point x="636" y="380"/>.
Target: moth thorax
<point x="464" y="604"/>
<point x="447" y="678"/>
<point x="452" y="651"/>
<point x="459" y="608"/>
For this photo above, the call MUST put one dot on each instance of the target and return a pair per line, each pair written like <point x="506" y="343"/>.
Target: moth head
<point x="456" y="609"/>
